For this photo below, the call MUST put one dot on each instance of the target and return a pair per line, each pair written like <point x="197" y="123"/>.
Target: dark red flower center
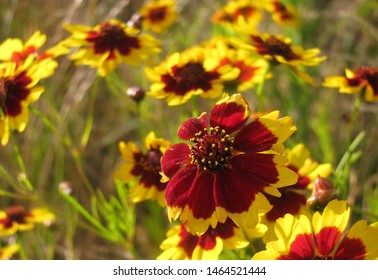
<point x="212" y="148"/>
<point x="14" y="214"/>
<point x="369" y="74"/>
<point x="112" y="37"/>
<point x="12" y="92"/>
<point x="274" y="47"/>
<point x="157" y="14"/>
<point x="277" y="47"/>
<point x="191" y="76"/>
<point x="151" y="160"/>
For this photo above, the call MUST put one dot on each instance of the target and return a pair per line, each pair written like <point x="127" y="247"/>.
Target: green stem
<point x="343" y="169"/>
<point x="23" y="176"/>
<point x="90" y="118"/>
<point x="259" y="91"/>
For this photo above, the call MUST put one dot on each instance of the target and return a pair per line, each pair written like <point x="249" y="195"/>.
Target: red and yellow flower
<point x="193" y="72"/>
<point x="182" y="245"/>
<point x="158" y="15"/>
<point x="8" y="251"/>
<point x="282" y="13"/>
<point x="14" y="50"/>
<point x="108" y="44"/>
<point x="293" y="198"/>
<point x="324" y="237"/>
<point x="18" y="89"/>
<point x="278" y="49"/>
<point x="364" y="79"/>
<point x="143" y="169"/>
<point x="252" y="69"/>
<point x="227" y="166"/>
<point x="248" y="12"/>
<point x="18" y="219"/>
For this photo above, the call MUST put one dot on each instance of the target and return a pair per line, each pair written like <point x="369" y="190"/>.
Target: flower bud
<point x="136" y="93"/>
<point x="323" y="191"/>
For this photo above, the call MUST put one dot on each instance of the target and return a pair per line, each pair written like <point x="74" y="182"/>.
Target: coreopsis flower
<point x="189" y="73"/>
<point x="18" y="89"/>
<point x="158" y="15"/>
<point x="252" y="69"/>
<point x="227" y="166"/>
<point x="364" y="79"/>
<point x="234" y="12"/>
<point x="182" y="245"/>
<point x="324" y="237"/>
<point x="7" y="252"/>
<point x="278" y="49"/>
<point x="282" y="13"/>
<point x="13" y="49"/>
<point x="108" y="44"/>
<point x="18" y="219"/>
<point x="293" y="198"/>
<point x="143" y="168"/>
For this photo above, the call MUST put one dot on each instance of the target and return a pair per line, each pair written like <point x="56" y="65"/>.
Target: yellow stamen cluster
<point x="212" y="148"/>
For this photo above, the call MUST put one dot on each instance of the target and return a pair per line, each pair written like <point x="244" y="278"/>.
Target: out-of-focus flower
<point x="282" y="13"/>
<point x="8" y="251"/>
<point x="108" y="44"/>
<point x="234" y="13"/>
<point x="13" y="49"/>
<point x="158" y="15"/>
<point x="364" y="79"/>
<point x="278" y="49"/>
<point x="293" y="197"/>
<point x="324" y="237"/>
<point x="18" y="89"/>
<point x="252" y="69"/>
<point x="142" y="169"/>
<point x="18" y="219"/>
<point x="227" y="166"/>
<point x="323" y="191"/>
<point x="189" y="73"/>
<point x="182" y="245"/>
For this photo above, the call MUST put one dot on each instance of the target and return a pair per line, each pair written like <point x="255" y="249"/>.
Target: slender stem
<point x="343" y="168"/>
<point x="23" y="176"/>
<point x="194" y="106"/>
<point x="259" y="91"/>
<point x="90" y="118"/>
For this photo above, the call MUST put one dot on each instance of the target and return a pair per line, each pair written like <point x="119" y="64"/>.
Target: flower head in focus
<point x="108" y="44"/>
<point x="364" y="79"/>
<point x="324" y="237"/>
<point x="192" y="72"/>
<point x="143" y="168"/>
<point x="182" y="245"/>
<point x="158" y="15"/>
<point x="227" y="165"/>
<point x="18" y="219"/>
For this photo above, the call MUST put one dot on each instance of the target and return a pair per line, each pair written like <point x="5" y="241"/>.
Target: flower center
<point x="14" y="214"/>
<point x="189" y="77"/>
<point x="151" y="160"/>
<point x="112" y="37"/>
<point x="157" y="14"/>
<point x="277" y="47"/>
<point x="212" y="148"/>
<point x="371" y="75"/>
